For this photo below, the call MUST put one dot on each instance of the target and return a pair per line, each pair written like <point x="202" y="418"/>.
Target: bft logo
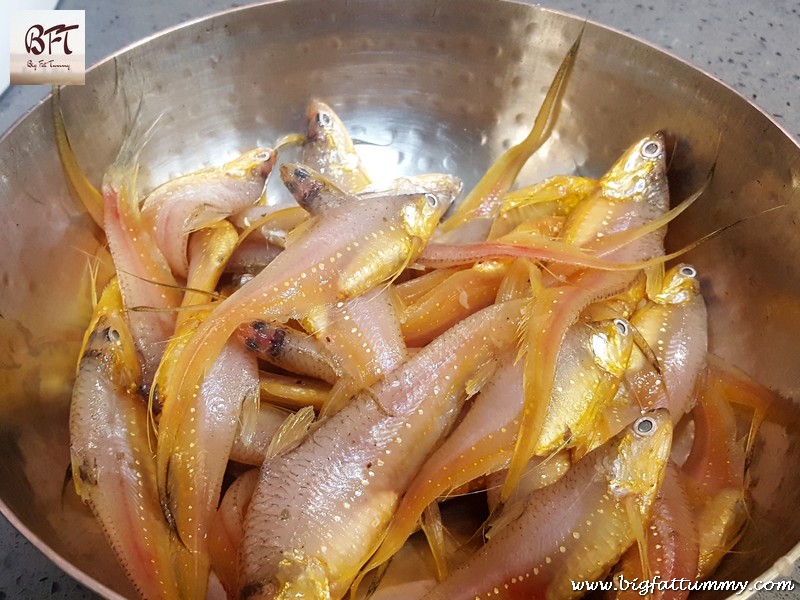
<point x="58" y="34"/>
<point x="48" y="47"/>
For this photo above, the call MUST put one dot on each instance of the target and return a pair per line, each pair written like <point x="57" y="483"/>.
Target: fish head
<point x="641" y="169"/>
<point x="679" y="287"/>
<point x="323" y="125"/>
<point x="312" y="190"/>
<point x="109" y="338"/>
<point x="421" y="213"/>
<point x="642" y="453"/>
<point x="446" y="187"/>
<point x="256" y="163"/>
<point x="612" y="342"/>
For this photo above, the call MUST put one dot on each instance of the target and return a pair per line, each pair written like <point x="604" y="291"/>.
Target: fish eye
<point x="688" y="271"/>
<point x="301" y="174"/>
<point x="323" y="119"/>
<point x="112" y="335"/>
<point x="621" y="326"/>
<point x="432" y="200"/>
<point x="645" y="426"/>
<point x="651" y="149"/>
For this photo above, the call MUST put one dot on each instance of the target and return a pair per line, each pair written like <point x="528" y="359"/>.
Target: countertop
<point x="753" y="47"/>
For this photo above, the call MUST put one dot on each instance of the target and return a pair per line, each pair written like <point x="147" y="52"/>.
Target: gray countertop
<point x="753" y="47"/>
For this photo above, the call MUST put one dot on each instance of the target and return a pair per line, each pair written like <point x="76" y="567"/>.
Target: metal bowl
<point x="433" y="86"/>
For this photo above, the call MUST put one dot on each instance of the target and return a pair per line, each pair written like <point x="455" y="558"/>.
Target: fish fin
<point x="291" y="432"/>
<point x="536" y="247"/>
<point x="171" y="286"/>
<point x="248" y="417"/>
<point x="79" y="185"/>
<point x="341" y="392"/>
<point x="739" y="388"/>
<point x="617" y="240"/>
<point x="68" y="478"/>
<point x="501" y="175"/>
<point x="536" y="286"/>
<point x="654" y="280"/>
<point x="174" y="309"/>
<point x="432" y="526"/>
<point x="503" y="515"/>
<point x="299" y="231"/>
<point x="543" y="341"/>
<point x="480" y="377"/>
<point x="377" y="579"/>
<point x="646" y="350"/>
<point x="516" y="281"/>
<point x="290" y="139"/>
<point x="638" y="526"/>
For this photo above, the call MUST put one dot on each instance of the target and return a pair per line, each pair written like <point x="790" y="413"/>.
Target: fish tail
<point x="88" y="194"/>
<point x="432" y="526"/>
<point x="552" y="312"/>
<point x="501" y="175"/>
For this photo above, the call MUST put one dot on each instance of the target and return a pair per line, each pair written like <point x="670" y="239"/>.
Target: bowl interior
<point x="442" y="86"/>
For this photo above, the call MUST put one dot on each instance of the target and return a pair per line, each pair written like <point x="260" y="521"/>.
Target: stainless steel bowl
<point x="434" y="86"/>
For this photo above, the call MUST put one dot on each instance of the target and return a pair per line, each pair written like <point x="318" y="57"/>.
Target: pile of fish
<point x="281" y="397"/>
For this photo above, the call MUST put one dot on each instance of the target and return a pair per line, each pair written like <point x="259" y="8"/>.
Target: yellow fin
<point x="501" y="175"/>
<point x="432" y="526"/>
<point x="636" y="521"/>
<point x="479" y="378"/>
<point x="89" y="196"/>
<point x="291" y="432"/>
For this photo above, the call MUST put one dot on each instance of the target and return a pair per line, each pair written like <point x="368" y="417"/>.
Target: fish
<point x="715" y="472"/>
<point x="291" y="350"/>
<point x="185" y="204"/>
<point x="112" y="464"/>
<point x="198" y="453"/>
<point x="144" y="276"/>
<point x="549" y="200"/>
<point x="194" y="445"/>
<point x="484" y="200"/>
<point x="86" y="192"/>
<point x="591" y="360"/>
<point x="319" y="511"/>
<point x="329" y="149"/>
<point x="461" y="294"/>
<point x="634" y="193"/>
<point x="671" y="542"/>
<point x="337" y="258"/>
<point x="251" y="442"/>
<point x="575" y="529"/>
<point x="227" y="530"/>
